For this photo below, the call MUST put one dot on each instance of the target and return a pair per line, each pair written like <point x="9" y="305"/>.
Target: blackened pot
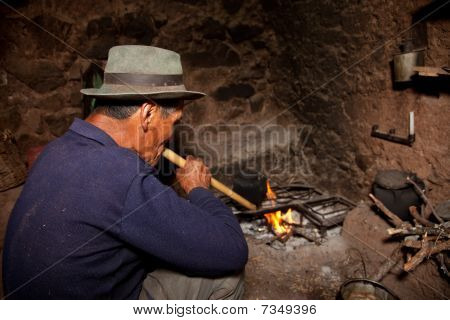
<point x="392" y="188"/>
<point x="251" y="185"/>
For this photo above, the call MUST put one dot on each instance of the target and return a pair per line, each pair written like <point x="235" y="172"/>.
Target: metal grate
<point x="328" y="211"/>
<point x="321" y="210"/>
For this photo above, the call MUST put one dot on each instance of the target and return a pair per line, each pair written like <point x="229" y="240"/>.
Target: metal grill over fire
<point x="311" y="211"/>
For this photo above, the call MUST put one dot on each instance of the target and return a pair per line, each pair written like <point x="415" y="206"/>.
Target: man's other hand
<point x="194" y="174"/>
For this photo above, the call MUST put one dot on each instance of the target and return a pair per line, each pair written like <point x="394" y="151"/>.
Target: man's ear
<point x="147" y="113"/>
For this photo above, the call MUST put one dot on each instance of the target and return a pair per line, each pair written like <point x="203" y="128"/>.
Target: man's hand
<point x="194" y="174"/>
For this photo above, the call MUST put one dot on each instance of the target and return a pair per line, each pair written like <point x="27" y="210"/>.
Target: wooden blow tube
<point x="216" y="184"/>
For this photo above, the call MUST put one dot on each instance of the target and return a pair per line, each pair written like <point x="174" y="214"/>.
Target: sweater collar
<point x="92" y="132"/>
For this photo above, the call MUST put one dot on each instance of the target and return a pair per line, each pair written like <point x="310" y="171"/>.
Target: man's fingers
<point x="193" y="163"/>
<point x="194" y="174"/>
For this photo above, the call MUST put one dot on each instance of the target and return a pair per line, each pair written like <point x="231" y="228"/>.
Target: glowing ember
<point x="279" y="221"/>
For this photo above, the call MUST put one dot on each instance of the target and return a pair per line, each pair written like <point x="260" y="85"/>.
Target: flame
<point x="270" y="194"/>
<point x="278" y="220"/>
<point x="287" y="217"/>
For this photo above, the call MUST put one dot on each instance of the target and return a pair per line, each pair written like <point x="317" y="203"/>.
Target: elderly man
<point x="93" y="222"/>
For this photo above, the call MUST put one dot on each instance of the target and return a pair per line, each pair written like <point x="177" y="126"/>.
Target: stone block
<point x="75" y="98"/>
<point x="3" y="78"/>
<point x="60" y="122"/>
<point x="98" y="48"/>
<point x="240" y="32"/>
<point x="212" y="29"/>
<point x="32" y="119"/>
<point x="270" y="5"/>
<point x="101" y="26"/>
<point x="219" y="55"/>
<point x="160" y="19"/>
<point x="235" y="90"/>
<point x="193" y="2"/>
<point x="53" y="102"/>
<point x="47" y="42"/>
<point x="40" y="75"/>
<point x="256" y="102"/>
<point x="232" y="6"/>
<point x="139" y="26"/>
<point x="10" y="118"/>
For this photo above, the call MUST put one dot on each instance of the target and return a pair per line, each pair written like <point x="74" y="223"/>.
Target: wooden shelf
<point x="431" y="72"/>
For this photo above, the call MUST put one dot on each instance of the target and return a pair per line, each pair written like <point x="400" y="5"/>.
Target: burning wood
<point x="296" y="210"/>
<point x="279" y="222"/>
<point x="283" y="225"/>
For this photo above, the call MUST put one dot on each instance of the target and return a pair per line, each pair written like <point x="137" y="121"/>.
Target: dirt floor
<point x="307" y="272"/>
<point x="366" y="231"/>
<point x="311" y="271"/>
<point x="317" y="272"/>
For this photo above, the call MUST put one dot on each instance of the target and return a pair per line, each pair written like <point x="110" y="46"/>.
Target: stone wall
<point x="320" y="65"/>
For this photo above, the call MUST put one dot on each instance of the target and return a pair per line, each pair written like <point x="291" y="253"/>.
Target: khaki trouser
<point x="169" y="285"/>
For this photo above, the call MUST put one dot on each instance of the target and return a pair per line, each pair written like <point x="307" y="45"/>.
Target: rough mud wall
<point x="335" y="55"/>
<point x="254" y="59"/>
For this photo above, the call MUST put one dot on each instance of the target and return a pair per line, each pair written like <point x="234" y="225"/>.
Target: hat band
<point x="138" y="79"/>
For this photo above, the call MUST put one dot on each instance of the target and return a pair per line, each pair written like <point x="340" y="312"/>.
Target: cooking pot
<point x="251" y="185"/>
<point x="392" y="188"/>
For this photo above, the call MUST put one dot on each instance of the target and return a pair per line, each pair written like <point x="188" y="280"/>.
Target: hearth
<point x="298" y="213"/>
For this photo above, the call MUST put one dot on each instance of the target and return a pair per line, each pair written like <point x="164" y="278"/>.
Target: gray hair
<point x="123" y="109"/>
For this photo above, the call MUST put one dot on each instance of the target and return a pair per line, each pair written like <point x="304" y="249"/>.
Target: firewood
<point x="427" y="212"/>
<point x="416" y="259"/>
<point x="439" y="230"/>
<point x="419" y="218"/>
<point x="424" y="198"/>
<point x="435" y="237"/>
<point x="285" y="237"/>
<point x="388" y="265"/>
<point x="442" y="246"/>
<point x="416" y="244"/>
<point x="393" y="218"/>
<point x="428" y="249"/>
<point x="442" y="266"/>
<point x="423" y="211"/>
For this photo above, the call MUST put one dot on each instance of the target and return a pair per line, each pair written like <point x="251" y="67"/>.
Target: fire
<point x="287" y="217"/>
<point x="279" y="221"/>
<point x="270" y="194"/>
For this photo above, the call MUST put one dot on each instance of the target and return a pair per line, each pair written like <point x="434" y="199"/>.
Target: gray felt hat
<point x="139" y="72"/>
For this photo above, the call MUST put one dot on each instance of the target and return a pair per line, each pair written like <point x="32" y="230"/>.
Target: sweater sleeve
<point x="199" y="235"/>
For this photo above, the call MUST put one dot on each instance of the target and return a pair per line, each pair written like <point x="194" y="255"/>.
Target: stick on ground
<point x="424" y="198"/>
<point x="394" y="218"/>
<point x="419" y="218"/>
<point x="388" y="265"/>
<point x="428" y="249"/>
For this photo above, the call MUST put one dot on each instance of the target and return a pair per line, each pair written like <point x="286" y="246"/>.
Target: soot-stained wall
<point x="322" y="67"/>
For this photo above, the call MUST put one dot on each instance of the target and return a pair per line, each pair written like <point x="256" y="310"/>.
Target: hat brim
<point x="120" y="93"/>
